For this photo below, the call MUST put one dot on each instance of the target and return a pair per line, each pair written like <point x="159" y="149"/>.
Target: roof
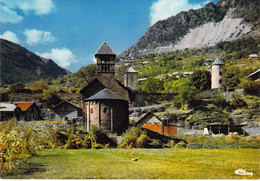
<point x="255" y="75"/>
<point x="253" y="56"/>
<point x="105" y="49"/>
<point x="7" y="107"/>
<point x="24" y="105"/>
<point x="148" y="118"/>
<point x="65" y="101"/>
<point x="131" y="70"/>
<point x="105" y="94"/>
<point x="218" y="61"/>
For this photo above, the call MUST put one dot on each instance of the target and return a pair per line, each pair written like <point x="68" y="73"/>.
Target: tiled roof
<point x="24" y="105"/>
<point x="218" y="61"/>
<point x="105" y="49"/>
<point x="105" y="94"/>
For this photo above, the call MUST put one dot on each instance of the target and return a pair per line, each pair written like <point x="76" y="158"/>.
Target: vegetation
<point x="151" y="164"/>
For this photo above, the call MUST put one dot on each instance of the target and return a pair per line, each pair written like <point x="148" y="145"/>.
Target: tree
<point x="201" y="79"/>
<point x="152" y="85"/>
<point x="232" y="77"/>
<point x="17" y="87"/>
<point x="50" y="98"/>
<point x="186" y="92"/>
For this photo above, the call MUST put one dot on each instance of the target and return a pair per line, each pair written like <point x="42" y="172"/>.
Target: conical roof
<point x="105" y="49"/>
<point x="131" y="70"/>
<point x="218" y="61"/>
<point x="105" y="94"/>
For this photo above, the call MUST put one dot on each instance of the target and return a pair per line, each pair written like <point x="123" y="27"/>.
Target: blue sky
<point x="71" y="31"/>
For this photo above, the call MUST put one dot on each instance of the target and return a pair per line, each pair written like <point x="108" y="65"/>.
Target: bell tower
<point x="105" y="60"/>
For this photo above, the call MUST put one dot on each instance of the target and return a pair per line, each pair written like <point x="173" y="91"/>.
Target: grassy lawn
<point x="151" y="164"/>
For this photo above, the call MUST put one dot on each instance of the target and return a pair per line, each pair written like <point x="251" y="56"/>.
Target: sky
<point x="71" y="31"/>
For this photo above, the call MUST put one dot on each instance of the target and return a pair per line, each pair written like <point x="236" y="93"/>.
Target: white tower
<point x="131" y="78"/>
<point x="217" y="74"/>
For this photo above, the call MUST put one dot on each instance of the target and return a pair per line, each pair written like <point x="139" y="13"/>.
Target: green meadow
<point x="151" y="164"/>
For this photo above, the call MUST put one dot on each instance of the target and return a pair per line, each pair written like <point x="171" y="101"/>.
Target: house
<point x="226" y="129"/>
<point x="255" y="76"/>
<point x="9" y="111"/>
<point x="30" y="111"/>
<point x="107" y="110"/>
<point x="66" y="110"/>
<point x="155" y="124"/>
<point x="253" y="57"/>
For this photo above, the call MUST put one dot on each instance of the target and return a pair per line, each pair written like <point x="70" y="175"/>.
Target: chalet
<point x="153" y="123"/>
<point x="66" y="110"/>
<point x="9" y="111"/>
<point x="30" y="111"/>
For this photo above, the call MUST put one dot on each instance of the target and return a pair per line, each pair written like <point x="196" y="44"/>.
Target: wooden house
<point x="153" y="123"/>
<point x="66" y="110"/>
<point x="30" y="111"/>
<point x="9" y="111"/>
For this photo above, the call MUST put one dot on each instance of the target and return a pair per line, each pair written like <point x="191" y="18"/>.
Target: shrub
<point x="143" y="141"/>
<point x="50" y="98"/>
<point x="101" y="137"/>
<point x="19" y="141"/>
<point x="155" y="143"/>
<point x="17" y="87"/>
<point x="181" y="144"/>
<point x="131" y="136"/>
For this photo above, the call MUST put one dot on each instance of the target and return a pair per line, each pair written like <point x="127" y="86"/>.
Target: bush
<point x="155" y="143"/>
<point x="17" y="87"/>
<point x="143" y="141"/>
<point x="19" y="141"/>
<point x="101" y="137"/>
<point x="50" y="98"/>
<point x="132" y="135"/>
<point x="181" y="144"/>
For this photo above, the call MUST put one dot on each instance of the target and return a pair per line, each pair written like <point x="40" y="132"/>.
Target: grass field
<point x="151" y="164"/>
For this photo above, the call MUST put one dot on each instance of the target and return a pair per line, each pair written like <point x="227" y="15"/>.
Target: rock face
<point x="224" y="21"/>
<point x="20" y="65"/>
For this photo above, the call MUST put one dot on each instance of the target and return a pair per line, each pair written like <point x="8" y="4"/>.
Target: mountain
<point x="226" y="20"/>
<point x="18" y="64"/>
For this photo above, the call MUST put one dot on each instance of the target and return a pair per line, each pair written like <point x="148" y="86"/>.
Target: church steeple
<point x="105" y="59"/>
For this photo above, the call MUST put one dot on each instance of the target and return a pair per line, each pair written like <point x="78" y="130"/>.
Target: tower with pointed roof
<point x="105" y="59"/>
<point x="217" y="74"/>
<point x="131" y="78"/>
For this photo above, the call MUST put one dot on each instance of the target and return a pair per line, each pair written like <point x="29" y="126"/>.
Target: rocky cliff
<point x="226" y="20"/>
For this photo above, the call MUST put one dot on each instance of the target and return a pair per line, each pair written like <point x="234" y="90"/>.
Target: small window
<point x="105" y="110"/>
<point x="91" y="111"/>
<point x="220" y="81"/>
<point x="220" y="73"/>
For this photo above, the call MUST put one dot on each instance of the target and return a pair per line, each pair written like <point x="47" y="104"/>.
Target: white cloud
<point x="163" y="9"/>
<point x="39" y="7"/>
<point x="63" y="57"/>
<point x="8" y="35"/>
<point x="94" y="60"/>
<point x="34" y="36"/>
<point x="9" y="16"/>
